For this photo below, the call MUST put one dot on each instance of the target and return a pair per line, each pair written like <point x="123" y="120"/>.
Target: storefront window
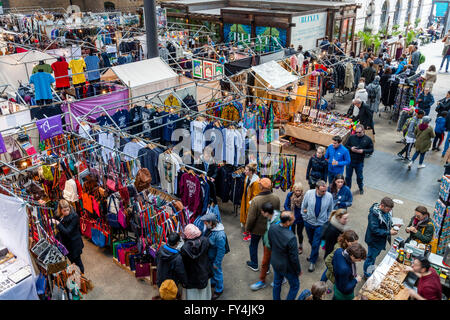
<point x="350" y="29"/>
<point x="337" y="28"/>
<point x="384" y="14"/>
<point x="344" y="31"/>
<point x="398" y="5"/>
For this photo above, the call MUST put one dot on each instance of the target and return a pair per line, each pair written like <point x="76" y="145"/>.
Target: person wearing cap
<point x="170" y="263"/>
<point x="316" y="209"/>
<point x="256" y="223"/>
<point x="424" y="134"/>
<point x="216" y="251"/>
<point x="168" y="290"/>
<point x="196" y="262"/>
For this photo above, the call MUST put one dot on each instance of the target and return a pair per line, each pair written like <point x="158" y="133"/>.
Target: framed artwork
<point x="208" y="70"/>
<point x="218" y="71"/>
<point x="197" y="67"/>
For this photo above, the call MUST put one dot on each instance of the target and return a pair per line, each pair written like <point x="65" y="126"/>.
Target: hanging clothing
<point x="77" y="66"/>
<point x="61" y="73"/>
<point x="149" y="159"/>
<point x="121" y="118"/>
<point x="168" y="167"/>
<point x="92" y="66"/>
<point x="106" y="139"/>
<point x="197" y="139"/>
<point x="349" y="75"/>
<point x="42" y="85"/>
<point x="190" y="190"/>
<point x="42" y="67"/>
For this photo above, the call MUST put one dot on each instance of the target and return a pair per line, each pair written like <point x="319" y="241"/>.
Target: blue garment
<point x="324" y="277"/>
<point x="401" y="66"/>
<point x="440" y="125"/>
<point x="42" y="85"/>
<point x="103" y="121"/>
<point x="416" y="154"/>
<point x="122" y="60"/>
<point x="426" y="103"/>
<point x="304" y="294"/>
<point x="297" y="211"/>
<point x="253" y="248"/>
<point x="249" y="121"/>
<point x="294" y="285"/>
<point x="205" y="194"/>
<point x="121" y="118"/>
<point x="217" y="279"/>
<point x="372" y="254"/>
<point x="170" y="127"/>
<point x="341" y="155"/>
<point x="344" y="280"/>
<point x="343" y="199"/>
<point x="314" y="234"/>
<point x="378" y="228"/>
<point x="358" y="167"/>
<point x="92" y="63"/>
<point x="447" y="143"/>
<point x="216" y="250"/>
<point x="318" y="206"/>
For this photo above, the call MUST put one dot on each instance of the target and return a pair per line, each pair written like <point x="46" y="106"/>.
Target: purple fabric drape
<point x="115" y="100"/>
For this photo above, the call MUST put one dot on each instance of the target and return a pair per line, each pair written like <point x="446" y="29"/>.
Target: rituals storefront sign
<point x="308" y="29"/>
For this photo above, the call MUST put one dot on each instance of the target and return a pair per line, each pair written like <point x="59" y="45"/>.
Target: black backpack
<point x="372" y="94"/>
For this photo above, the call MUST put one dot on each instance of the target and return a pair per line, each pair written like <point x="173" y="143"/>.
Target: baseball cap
<point x="209" y="217"/>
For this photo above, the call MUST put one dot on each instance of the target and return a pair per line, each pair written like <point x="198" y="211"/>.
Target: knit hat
<point x="209" y="217"/>
<point x="191" y="231"/>
<point x="266" y="183"/>
<point x="168" y="290"/>
<point x="426" y="119"/>
<point x="361" y="85"/>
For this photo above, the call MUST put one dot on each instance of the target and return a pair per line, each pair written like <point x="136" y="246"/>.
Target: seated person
<point x="420" y="228"/>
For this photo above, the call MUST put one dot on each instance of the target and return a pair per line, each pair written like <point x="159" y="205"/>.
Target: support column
<point x="151" y="30"/>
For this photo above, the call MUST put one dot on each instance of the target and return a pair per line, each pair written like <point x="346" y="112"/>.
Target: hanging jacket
<point x="170" y="266"/>
<point x="196" y="262"/>
<point x="349" y="75"/>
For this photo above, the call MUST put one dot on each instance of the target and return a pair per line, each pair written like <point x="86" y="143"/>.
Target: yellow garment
<point x="171" y="101"/>
<point x="248" y="195"/>
<point x="77" y="66"/>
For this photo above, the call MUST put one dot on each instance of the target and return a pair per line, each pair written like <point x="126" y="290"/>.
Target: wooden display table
<point x="317" y="137"/>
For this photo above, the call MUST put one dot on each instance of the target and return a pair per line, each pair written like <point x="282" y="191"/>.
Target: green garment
<point x="340" y="296"/>
<point x="424" y="233"/>
<point x="42" y="67"/>
<point x="329" y="263"/>
<point x="266" y="234"/>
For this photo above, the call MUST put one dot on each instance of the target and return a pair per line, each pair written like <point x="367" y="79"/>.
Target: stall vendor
<point x="420" y="228"/>
<point x="429" y="286"/>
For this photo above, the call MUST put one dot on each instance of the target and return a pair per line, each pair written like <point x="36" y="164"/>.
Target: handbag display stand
<point x="151" y="280"/>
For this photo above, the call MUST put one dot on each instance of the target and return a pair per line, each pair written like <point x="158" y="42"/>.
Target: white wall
<point x="362" y="13"/>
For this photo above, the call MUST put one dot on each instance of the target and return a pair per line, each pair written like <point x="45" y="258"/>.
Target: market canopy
<point x="274" y="74"/>
<point x="19" y="66"/>
<point x="143" y="76"/>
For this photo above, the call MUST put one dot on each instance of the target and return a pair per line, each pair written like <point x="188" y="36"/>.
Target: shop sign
<point x="2" y="145"/>
<point x="208" y="70"/>
<point x="237" y="32"/>
<point x="308" y="29"/>
<point x="49" y="127"/>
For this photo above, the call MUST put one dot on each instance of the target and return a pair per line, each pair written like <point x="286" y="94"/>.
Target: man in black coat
<point x="284" y="258"/>
<point x="170" y="263"/>
<point x="444" y="105"/>
<point x="358" y="145"/>
<point x="365" y="115"/>
<point x="369" y="73"/>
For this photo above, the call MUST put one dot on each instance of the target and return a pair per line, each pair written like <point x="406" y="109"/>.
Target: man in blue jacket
<point x="338" y="158"/>
<point x="379" y="230"/>
<point x="217" y="250"/>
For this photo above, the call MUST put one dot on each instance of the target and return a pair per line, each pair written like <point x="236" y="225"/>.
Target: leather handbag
<point x="143" y="179"/>
<point x="111" y="183"/>
<point x="85" y="225"/>
<point x="99" y="235"/>
<point x="122" y="217"/>
<point x="112" y="215"/>
<point x="95" y="206"/>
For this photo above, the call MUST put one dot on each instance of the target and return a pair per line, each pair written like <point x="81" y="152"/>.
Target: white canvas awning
<point x="19" y="66"/>
<point x="274" y="74"/>
<point x="143" y="76"/>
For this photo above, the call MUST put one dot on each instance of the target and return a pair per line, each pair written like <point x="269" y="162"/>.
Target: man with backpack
<point x="218" y="247"/>
<point x="416" y="58"/>
<point x="374" y="95"/>
<point x="408" y="130"/>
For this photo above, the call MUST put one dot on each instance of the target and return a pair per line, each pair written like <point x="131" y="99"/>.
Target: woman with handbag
<point x="69" y="229"/>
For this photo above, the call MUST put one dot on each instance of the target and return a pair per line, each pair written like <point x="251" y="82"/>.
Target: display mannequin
<point x="42" y="87"/>
<point x="78" y="67"/>
<point x="60" y="67"/>
<point x="92" y="66"/>
<point x="42" y="66"/>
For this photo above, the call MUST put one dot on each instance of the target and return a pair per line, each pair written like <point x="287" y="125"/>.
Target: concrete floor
<point x="384" y="176"/>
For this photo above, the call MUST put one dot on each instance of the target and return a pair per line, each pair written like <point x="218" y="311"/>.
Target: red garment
<point x="20" y="50"/>
<point x="191" y="192"/>
<point x="321" y="66"/>
<point x="429" y="287"/>
<point x="61" y="69"/>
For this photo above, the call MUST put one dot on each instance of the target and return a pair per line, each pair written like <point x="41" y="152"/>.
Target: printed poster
<point x="197" y="68"/>
<point x="218" y="71"/>
<point x="208" y="70"/>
